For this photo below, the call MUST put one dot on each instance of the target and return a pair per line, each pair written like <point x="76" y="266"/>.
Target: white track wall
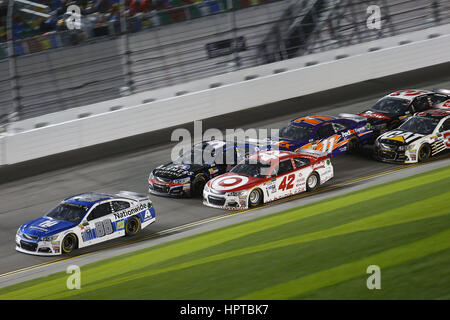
<point x="164" y="113"/>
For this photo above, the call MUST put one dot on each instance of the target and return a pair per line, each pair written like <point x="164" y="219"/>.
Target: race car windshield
<point x="420" y="125"/>
<point x="393" y="106"/>
<point x="199" y="153"/>
<point x="296" y="133"/>
<point x="67" y="212"/>
<point x="255" y="170"/>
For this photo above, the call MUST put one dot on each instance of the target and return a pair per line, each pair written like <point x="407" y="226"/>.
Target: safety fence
<point x="63" y="70"/>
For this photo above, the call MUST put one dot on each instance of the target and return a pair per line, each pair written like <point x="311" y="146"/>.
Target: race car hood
<point x="44" y="227"/>
<point x="289" y="145"/>
<point x="173" y="171"/>
<point x="235" y="182"/>
<point x="400" y="137"/>
<point x="375" y="117"/>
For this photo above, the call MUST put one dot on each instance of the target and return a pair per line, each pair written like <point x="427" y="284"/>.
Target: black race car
<point x="187" y="175"/>
<point x="388" y="112"/>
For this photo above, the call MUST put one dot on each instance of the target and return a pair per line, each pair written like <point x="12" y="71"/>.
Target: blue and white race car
<point x="83" y="220"/>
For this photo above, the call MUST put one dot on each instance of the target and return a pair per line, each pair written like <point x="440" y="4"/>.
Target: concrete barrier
<point x="262" y="87"/>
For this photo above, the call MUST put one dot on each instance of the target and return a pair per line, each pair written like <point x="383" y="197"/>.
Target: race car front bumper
<point x="224" y="201"/>
<point x="38" y="248"/>
<point x="387" y="152"/>
<point x="166" y="189"/>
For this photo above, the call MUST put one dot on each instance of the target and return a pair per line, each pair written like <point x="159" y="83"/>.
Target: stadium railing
<point x="90" y="70"/>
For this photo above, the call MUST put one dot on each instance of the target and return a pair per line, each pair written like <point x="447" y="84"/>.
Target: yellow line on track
<point x="226" y="215"/>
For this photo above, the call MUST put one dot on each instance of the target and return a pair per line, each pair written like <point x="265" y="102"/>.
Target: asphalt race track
<point x="31" y="197"/>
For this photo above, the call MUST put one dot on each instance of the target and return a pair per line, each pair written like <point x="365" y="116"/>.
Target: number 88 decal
<point x="103" y="228"/>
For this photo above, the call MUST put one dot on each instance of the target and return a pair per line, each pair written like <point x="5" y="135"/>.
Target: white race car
<point x="84" y="220"/>
<point x="420" y="137"/>
<point x="267" y="176"/>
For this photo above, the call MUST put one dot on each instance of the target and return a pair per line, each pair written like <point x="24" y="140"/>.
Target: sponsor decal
<point x="398" y="138"/>
<point x="48" y="223"/>
<point x="229" y="182"/>
<point x="129" y="212"/>
<point x="375" y="115"/>
<point x="37" y="228"/>
<point x="120" y="225"/>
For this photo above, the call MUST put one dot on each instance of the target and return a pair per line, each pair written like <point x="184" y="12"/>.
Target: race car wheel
<point x="424" y="152"/>
<point x="353" y="145"/>
<point x="255" y="198"/>
<point x="132" y="226"/>
<point x="313" y="181"/>
<point x="69" y="243"/>
<point x="198" y="184"/>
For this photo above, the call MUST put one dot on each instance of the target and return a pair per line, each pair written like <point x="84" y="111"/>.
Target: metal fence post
<point x="17" y="107"/>
<point x="126" y="49"/>
<point x="237" y="61"/>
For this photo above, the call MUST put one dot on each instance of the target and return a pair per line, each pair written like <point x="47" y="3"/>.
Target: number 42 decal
<point x="287" y="182"/>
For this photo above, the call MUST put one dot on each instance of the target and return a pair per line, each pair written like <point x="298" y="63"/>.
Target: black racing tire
<point x="313" y="181"/>
<point x="353" y="145"/>
<point x="198" y="185"/>
<point x="424" y="152"/>
<point x="255" y="198"/>
<point x="69" y="243"/>
<point x="132" y="226"/>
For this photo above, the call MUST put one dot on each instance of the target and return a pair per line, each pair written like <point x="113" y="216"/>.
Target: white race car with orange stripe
<point x="330" y="135"/>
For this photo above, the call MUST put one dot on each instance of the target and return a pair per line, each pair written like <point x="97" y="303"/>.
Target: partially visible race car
<point x="84" y="220"/>
<point x="443" y="105"/>
<point x="188" y="174"/>
<point x="388" y="112"/>
<point x="424" y="135"/>
<point x="267" y="176"/>
<point x="331" y="135"/>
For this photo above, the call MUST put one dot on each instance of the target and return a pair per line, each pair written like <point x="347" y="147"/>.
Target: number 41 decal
<point x="287" y="183"/>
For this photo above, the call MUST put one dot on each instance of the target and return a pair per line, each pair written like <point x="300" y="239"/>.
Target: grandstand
<point x="166" y="43"/>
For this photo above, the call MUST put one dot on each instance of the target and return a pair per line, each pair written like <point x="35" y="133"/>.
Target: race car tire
<point x="198" y="185"/>
<point x="132" y="226"/>
<point x="69" y="243"/>
<point x="353" y="145"/>
<point x="255" y="198"/>
<point x="424" y="152"/>
<point x="313" y="181"/>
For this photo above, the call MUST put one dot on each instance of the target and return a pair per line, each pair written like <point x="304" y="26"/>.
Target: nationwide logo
<point x="130" y="212"/>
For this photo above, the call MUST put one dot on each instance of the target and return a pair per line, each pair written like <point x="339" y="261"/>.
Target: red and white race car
<point x="267" y="176"/>
<point x="388" y="112"/>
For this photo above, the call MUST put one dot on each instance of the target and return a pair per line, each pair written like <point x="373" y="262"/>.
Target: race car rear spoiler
<point x="353" y="117"/>
<point x="133" y="195"/>
<point x="313" y="153"/>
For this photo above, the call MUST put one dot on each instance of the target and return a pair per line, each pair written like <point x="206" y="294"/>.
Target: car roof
<point x="313" y="120"/>
<point x="88" y="199"/>
<point x="221" y="144"/>
<point x="434" y="113"/>
<point x="275" y="156"/>
<point x="408" y="94"/>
